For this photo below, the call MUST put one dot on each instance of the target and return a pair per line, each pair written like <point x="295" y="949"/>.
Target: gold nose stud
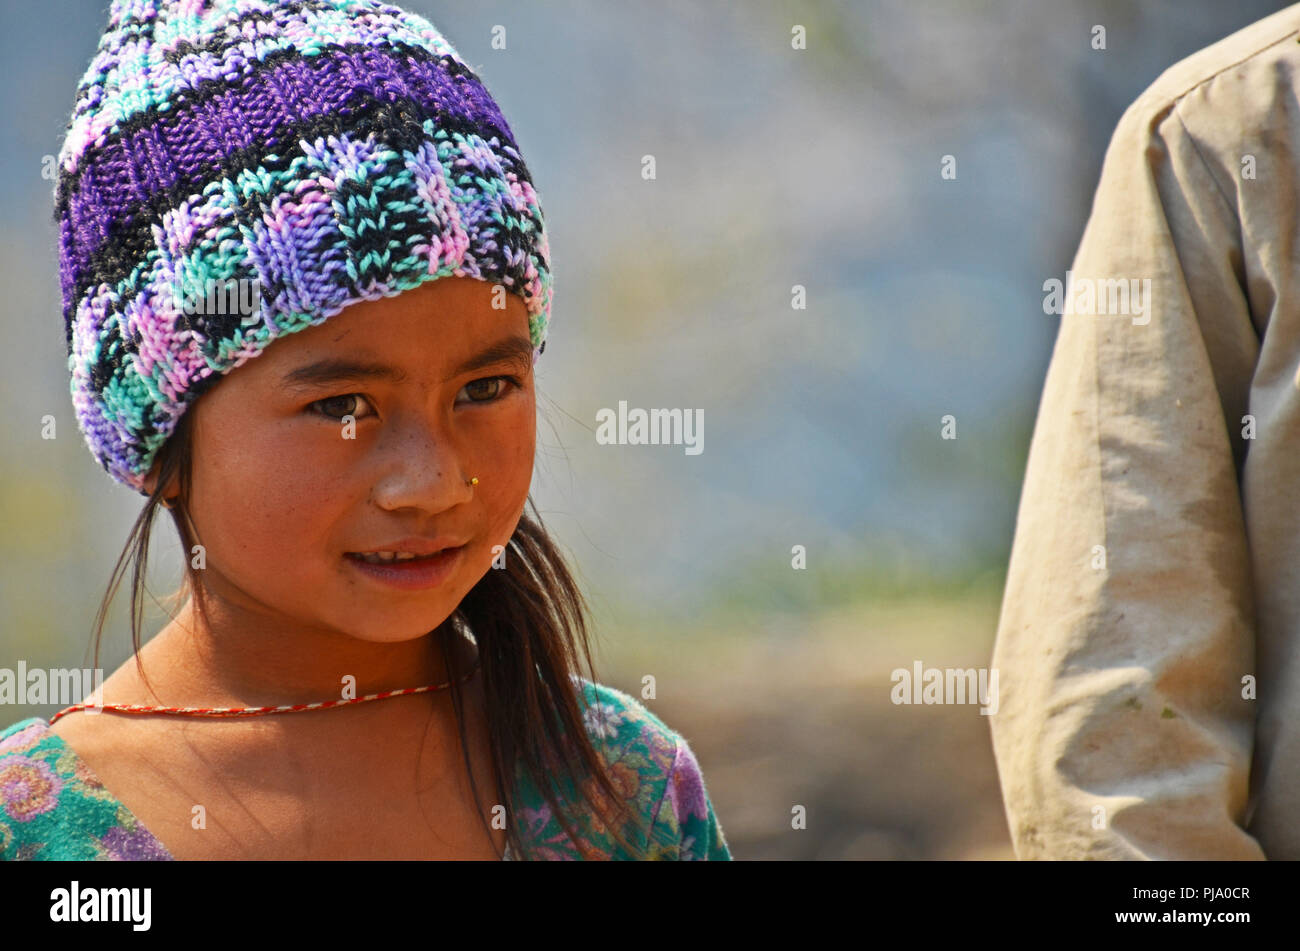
<point x="473" y="481"/>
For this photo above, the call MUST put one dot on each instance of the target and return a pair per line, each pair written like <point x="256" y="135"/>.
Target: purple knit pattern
<point x="321" y="152"/>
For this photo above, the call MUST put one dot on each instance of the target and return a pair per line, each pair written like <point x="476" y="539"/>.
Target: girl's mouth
<point x="408" y="574"/>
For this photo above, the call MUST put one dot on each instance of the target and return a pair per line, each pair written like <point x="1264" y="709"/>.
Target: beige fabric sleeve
<point x="1127" y="623"/>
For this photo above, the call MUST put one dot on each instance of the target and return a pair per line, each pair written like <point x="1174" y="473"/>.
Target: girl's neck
<point x="189" y="663"/>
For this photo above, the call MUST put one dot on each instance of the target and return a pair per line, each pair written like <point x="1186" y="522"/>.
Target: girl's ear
<point x="151" y="480"/>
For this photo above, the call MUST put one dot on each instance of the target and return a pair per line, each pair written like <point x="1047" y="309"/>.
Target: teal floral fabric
<point x="53" y="807"/>
<point x="654" y="769"/>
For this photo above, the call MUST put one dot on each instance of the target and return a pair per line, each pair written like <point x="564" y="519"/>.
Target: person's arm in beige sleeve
<point x="1127" y="621"/>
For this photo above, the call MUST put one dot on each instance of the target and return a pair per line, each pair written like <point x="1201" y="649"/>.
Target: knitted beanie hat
<point x="295" y="155"/>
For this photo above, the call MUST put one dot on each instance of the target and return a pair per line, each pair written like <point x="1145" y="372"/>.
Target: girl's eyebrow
<point x="514" y="350"/>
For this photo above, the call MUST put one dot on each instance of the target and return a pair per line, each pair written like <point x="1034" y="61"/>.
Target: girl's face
<point x="283" y="490"/>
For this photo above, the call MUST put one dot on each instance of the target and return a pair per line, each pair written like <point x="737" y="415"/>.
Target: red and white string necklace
<point x="257" y="711"/>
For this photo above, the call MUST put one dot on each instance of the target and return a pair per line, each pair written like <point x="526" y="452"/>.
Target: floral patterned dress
<point x="53" y="807"/>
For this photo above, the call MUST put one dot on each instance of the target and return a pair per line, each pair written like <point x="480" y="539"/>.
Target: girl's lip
<point x="415" y="574"/>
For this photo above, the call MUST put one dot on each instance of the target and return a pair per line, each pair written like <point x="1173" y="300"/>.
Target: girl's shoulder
<point x="611" y="714"/>
<point x="53" y="807"/>
<point x="653" y="766"/>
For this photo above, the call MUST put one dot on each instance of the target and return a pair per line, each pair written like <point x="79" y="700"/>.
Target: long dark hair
<point x="528" y="623"/>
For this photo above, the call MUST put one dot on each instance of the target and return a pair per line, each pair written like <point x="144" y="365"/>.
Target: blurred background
<point x="775" y="167"/>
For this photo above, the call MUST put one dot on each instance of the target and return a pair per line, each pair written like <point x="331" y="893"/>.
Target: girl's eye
<point x="493" y="391"/>
<point x="336" y="407"/>
<point x="340" y="402"/>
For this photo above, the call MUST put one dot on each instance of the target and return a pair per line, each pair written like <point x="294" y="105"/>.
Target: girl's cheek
<point x="515" y="458"/>
<point x="512" y="495"/>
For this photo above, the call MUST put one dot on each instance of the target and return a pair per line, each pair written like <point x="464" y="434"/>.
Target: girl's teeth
<point x="387" y="557"/>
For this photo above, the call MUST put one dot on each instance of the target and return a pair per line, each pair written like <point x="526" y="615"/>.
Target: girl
<point x="322" y="197"/>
